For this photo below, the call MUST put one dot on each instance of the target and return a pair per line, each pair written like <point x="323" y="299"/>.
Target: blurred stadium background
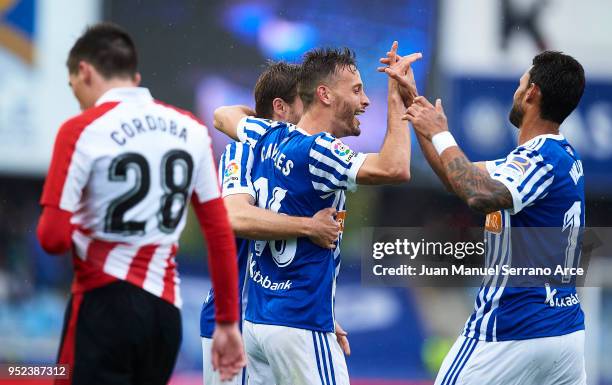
<point x="202" y="54"/>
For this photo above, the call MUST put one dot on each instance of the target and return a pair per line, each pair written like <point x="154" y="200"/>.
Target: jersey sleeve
<point x="72" y="160"/>
<point x="526" y="174"/>
<point x="333" y="165"/>
<point x="491" y="165"/>
<point x="71" y="164"/>
<point x="235" y="170"/>
<point x="251" y="129"/>
<point x="206" y="185"/>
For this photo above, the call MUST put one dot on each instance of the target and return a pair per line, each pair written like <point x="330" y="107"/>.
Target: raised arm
<point x="432" y="157"/>
<point x="226" y="119"/>
<point x="408" y="91"/>
<point x="392" y="163"/>
<point x="473" y="184"/>
<point x="470" y="181"/>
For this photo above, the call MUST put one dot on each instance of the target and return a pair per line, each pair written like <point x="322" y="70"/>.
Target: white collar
<point x="123" y="94"/>
<point x="544" y="136"/>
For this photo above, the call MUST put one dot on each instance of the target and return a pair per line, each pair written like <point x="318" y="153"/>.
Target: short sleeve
<point x="333" y="165"/>
<point x="491" y="165"/>
<point x="526" y="175"/>
<point x="251" y="129"/>
<point x="235" y="170"/>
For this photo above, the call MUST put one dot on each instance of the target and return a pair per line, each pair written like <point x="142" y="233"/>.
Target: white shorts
<point x="289" y="356"/>
<point x="211" y="377"/>
<point x="539" y="361"/>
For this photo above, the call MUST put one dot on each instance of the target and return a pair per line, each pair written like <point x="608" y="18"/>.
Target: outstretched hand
<point x="399" y="69"/>
<point x="425" y="118"/>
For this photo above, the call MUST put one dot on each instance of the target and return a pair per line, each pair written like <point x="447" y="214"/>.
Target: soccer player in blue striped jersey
<point x="299" y="169"/>
<point x="520" y="335"/>
<point x="275" y="97"/>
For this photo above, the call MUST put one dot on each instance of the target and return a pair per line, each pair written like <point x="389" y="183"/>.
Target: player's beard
<point x="516" y="115"/>
<point x="346" y="115"/>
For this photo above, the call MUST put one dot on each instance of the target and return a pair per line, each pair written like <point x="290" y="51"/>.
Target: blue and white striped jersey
<point x="292" y="282"/>
<point x="545" y="178"/>
<point x="235" y="178"/>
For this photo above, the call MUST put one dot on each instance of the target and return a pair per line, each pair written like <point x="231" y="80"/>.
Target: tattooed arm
<point x="470" y="181"/>
<point x="433" y="159"/>
<point x="473" y="184"/>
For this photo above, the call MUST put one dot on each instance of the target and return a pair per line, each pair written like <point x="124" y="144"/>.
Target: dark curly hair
<point x="561" y="81"/>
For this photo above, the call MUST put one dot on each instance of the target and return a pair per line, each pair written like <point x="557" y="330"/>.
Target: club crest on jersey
<point x="341" y="218"/>
<point x="493" y="223"/>
<point x="342" y="151"/>
<point x="231" y="172"/>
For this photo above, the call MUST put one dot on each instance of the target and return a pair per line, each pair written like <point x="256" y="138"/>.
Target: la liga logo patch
<point x="231" y="171"/>
<point x="342" y="151"/>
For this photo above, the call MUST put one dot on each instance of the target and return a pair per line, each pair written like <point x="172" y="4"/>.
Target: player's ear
<point x="533" y="93"/>
<point x="324" y="94"/>
<point x="137" y="79"/>
<point x="279" y="107"/>
<point x="84" y="72"/>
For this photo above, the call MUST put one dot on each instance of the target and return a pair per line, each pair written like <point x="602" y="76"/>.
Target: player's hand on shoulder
<point x="228" y="356"/>
<point x="426" y="118"/>
<point x="324" y="228"/>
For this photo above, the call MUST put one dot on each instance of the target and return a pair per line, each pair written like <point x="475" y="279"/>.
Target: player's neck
<point x="315" y="121"/>
<point x="108" y="85"/>
<point x="532" y="127"/>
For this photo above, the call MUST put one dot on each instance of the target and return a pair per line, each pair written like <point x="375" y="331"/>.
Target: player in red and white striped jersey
<point x="121" y="176"/>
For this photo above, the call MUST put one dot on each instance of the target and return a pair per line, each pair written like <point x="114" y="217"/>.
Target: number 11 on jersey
<point x="283" y="251"/>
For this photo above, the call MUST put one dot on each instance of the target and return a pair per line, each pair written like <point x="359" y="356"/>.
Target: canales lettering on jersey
<point x="281" y="163"/>
<point x="137" y="126"/>
<point x="292" y="282"/>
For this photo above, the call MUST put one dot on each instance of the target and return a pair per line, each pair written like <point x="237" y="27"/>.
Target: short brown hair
<point x="318" y="65"/>
<point x="108" y="48"/>
<point x="279" y="80"/>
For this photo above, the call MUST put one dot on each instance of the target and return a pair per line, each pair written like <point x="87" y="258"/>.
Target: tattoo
<point x="476" y="187"/>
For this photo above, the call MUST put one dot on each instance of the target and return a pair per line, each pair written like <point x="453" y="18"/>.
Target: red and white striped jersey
<point x="127" y="169"/>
